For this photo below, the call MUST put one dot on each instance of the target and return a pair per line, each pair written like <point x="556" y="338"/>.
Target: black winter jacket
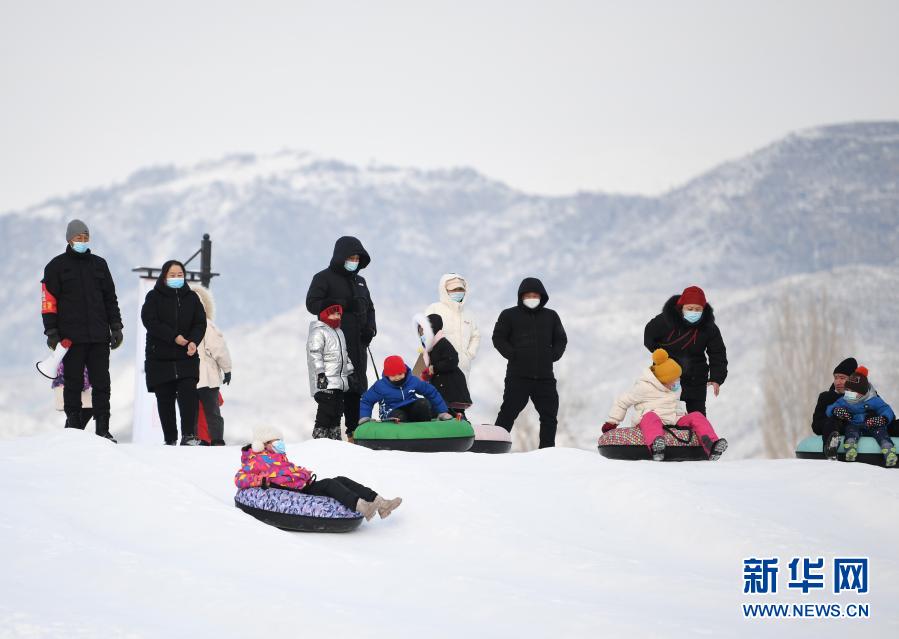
<point x="337" y="285"/>
<point x="167" y="313"/>
<point x="688" y="343"/>
<point x="79" y="298"/>
<point x="531" y="340"/>
<point x="448" y="378"/>
<point x="819" y="417"/>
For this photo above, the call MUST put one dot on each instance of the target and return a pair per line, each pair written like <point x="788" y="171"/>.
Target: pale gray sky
<point x="551" y="97"/>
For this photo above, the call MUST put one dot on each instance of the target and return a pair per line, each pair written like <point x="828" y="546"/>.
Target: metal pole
<point x="206" y="260"/>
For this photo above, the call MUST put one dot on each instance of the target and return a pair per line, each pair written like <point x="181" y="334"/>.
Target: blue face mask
<point x="174" y="282"/>
<point x="457" y="297"/>
<point x="692" y="316"/>
<point x="675" y="387"/>
<point x="424" y="341"/>
<point x="351" y="266"/>
<point x="278" y="446"/>
<point x="80" y="247"/>
<point x="850" y="396"/>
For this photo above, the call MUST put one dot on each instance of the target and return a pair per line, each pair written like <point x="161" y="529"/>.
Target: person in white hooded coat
<point x="459" y="326"/>
<point x="215" y="368"/>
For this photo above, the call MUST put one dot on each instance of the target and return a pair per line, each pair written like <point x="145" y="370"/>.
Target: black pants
<point x="543" y="393"/>
<point x="185" y="392"/>
<point x="694" y="397"/>
<point x="417" y="411"/>
<point x="343" y="489"/>
<point x="330" y="408"/>
<point x="351" y="411"/>
<point x="209" y="397"/>
<point x="832" y="424"/>
<point x="96" y="358"/>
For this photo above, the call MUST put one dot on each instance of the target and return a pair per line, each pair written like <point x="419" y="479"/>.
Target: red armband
<point x="48" y="301"/>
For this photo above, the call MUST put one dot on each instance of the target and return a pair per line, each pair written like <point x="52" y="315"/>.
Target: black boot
<point x="102" y="422"/>
<point x="218" y="442"/>
<point x="831" y="444"/>
<point x="73" y="420"/>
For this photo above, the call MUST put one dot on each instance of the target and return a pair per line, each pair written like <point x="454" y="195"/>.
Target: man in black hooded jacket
<point x="341" y="283"/>
<point x="80" y="305"/>
<point x="531" y="337"/>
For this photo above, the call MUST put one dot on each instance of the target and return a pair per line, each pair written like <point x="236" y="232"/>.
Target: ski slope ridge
<point x="114" y="541"/>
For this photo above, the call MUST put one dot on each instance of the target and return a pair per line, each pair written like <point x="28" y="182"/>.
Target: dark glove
<point x="227" y="379"/>
<point x="878" y="421"/>
<point x="322" y="383"/>
<point x="52" y="339"/>
<point x="608" y="426"/>
<point x="115" y="337"/>
<point x="842" y="413"/>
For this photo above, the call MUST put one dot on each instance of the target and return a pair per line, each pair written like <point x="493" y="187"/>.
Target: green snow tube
<point x="452" y="435"/>
<point x="812" y="447"/>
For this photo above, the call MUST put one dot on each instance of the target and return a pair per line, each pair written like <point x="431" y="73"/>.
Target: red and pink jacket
<point x="270" y="468"/>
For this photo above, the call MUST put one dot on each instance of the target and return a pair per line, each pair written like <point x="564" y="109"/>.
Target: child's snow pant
<point x="343" y="489"/>
<point x="651" y="426"/>
<point x="417" y="411"/>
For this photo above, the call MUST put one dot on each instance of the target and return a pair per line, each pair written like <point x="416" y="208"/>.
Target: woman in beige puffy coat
<point x="459" y="326"/>
<point x="215" y="368"/>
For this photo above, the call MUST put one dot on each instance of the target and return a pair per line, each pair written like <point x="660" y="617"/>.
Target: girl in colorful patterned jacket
<point x="655" y="398"/>
<point x="264" y="463"/>
<point x="863" y="412"/>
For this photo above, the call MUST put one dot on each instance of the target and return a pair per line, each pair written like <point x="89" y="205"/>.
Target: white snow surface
<point x="99" y="540"/>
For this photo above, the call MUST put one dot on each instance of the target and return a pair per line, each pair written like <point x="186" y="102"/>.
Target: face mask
<point x="424" y="341"/>
<point x="457" y="297"/>
<point x="351" y="266"/>
<point x="174" y="282"/>
<point x="278" y="446"/>
<point x="333" y="323"/>
<point x="676" y="387"/>
<point x="692" y="316"/>
<point x="850" y="396"/>
<point x="531" y="303"/>
<point x="80" y="247"/>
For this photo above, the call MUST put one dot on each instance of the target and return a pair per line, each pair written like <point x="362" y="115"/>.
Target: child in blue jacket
<point x="864" y="413"/>
<point x="399" y="393"/>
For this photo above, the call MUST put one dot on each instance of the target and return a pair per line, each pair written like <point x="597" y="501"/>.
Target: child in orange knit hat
<point x="655" y="398"/>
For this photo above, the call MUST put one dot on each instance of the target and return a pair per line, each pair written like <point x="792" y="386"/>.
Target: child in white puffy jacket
<point x="215" y="369"/>
<point x="655" y="398"/>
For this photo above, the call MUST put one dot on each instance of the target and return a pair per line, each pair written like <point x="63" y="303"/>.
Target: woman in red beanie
<point x="686" y="329"/>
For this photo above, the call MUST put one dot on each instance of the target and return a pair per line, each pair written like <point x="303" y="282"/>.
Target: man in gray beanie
<point x="80" y="309"/>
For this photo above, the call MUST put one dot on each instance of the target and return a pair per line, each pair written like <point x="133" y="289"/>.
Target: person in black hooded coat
<point x="176" y="323"/>
<point x="341" y="283"/>
<point x="531" y="337"/>
<point x="443" y="370"/>
<point x="688" y="343"/>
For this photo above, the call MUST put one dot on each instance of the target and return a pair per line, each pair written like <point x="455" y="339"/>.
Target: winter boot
<point x="832" y="445"/>
<point x="889" y="456"/>
<point x="658" y="449"/>
<point x="102" y="422"/>
<point x="218" y="442"/>
<point x="73" y="420"/>
<point x="367" y="508"/>
<point x="320" y="432"/>
<point x="851" y="447"/>
<point x="387" y="506"/>
<point x="189" y="440"/>
<point x="717" y="448"/>
<point x="334" y="433"/>
<point x="171" y="443"/>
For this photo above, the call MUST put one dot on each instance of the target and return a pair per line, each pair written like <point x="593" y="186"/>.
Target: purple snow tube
<point x="292" y="510"/>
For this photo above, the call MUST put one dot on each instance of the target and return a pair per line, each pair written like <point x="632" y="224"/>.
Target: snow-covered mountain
<point x="817" y="211"/>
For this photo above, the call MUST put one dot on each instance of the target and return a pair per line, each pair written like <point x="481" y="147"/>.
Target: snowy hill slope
<point x="801" y="215"/>
<point x="104" y="540"/>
